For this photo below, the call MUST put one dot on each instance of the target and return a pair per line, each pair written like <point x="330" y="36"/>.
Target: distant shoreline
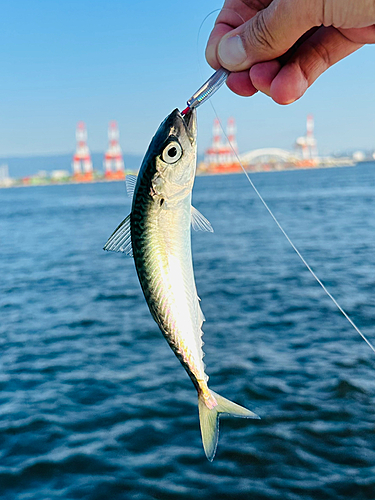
<point x="17" y="183"/>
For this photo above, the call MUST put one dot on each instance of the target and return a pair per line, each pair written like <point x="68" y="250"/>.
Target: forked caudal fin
<point x="209" y="420"/>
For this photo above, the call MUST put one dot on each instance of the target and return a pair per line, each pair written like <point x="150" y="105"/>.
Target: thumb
<point x="269" y="34"/>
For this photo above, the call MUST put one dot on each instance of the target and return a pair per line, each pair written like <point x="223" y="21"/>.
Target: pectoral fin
<point x="199" y="221"/>
<point x="120" y="240"/>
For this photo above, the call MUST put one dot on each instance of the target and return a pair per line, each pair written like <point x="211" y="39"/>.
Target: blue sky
<point x="136" y="61"/>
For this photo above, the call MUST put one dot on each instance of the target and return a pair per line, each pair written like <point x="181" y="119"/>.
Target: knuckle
<point x="257" y="5"/>
<point x="322" y="53"/>
<point x="259" y="35"/>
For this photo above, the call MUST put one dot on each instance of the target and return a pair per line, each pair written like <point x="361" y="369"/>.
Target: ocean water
<point x="93" y="403"/>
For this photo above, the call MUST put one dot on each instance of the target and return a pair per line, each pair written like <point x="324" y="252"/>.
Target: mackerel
<point x="157" y="233"/>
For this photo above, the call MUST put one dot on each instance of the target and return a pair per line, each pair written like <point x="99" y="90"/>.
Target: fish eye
<point x="172" y="152"/>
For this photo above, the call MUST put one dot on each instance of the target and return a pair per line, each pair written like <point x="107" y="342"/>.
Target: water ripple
<point x="94" y="405"/>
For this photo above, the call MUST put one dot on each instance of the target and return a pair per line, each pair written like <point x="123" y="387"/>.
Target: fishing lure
<point x="211" y="86"/>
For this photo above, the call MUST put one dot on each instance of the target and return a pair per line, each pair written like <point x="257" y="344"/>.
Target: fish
<point x="157" y="233"/>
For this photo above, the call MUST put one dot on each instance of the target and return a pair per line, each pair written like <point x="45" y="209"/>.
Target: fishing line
<point x="274" y="216"/>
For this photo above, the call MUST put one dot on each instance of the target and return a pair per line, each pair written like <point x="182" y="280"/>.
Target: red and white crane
<point x="220" y="152"/>
<point x="113" y="159"/>
<point x="82" y="159"/>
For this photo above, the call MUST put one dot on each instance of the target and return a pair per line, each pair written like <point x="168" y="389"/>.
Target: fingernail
<point x="231" y="51"/>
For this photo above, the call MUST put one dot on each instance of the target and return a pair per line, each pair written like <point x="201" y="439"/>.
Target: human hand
<point x="281" y="47"/>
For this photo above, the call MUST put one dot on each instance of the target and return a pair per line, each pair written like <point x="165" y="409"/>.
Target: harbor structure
<point x="213" y="152"/>
<point x="113" y="159"/>
<point x="5" y="180"/>
<point x="232" y="139"/>
<point x="82" y="164"/>
<point x="220" y="158"/>
<point x="306" y="146"/>
<point x="221" y="155"/>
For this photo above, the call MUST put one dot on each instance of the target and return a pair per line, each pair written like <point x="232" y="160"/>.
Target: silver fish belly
<point x="157" y="233"/>
<point x="164" y="266"/>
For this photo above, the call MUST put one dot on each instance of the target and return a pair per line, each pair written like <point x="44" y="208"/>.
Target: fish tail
<point x="209" y="412"/>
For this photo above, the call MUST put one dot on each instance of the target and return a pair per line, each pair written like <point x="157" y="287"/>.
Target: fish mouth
<point x="180" y="124"/>
<point x="190" y="121"/>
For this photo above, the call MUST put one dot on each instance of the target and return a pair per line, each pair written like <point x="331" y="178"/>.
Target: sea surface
<point x="93" y="403"/>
